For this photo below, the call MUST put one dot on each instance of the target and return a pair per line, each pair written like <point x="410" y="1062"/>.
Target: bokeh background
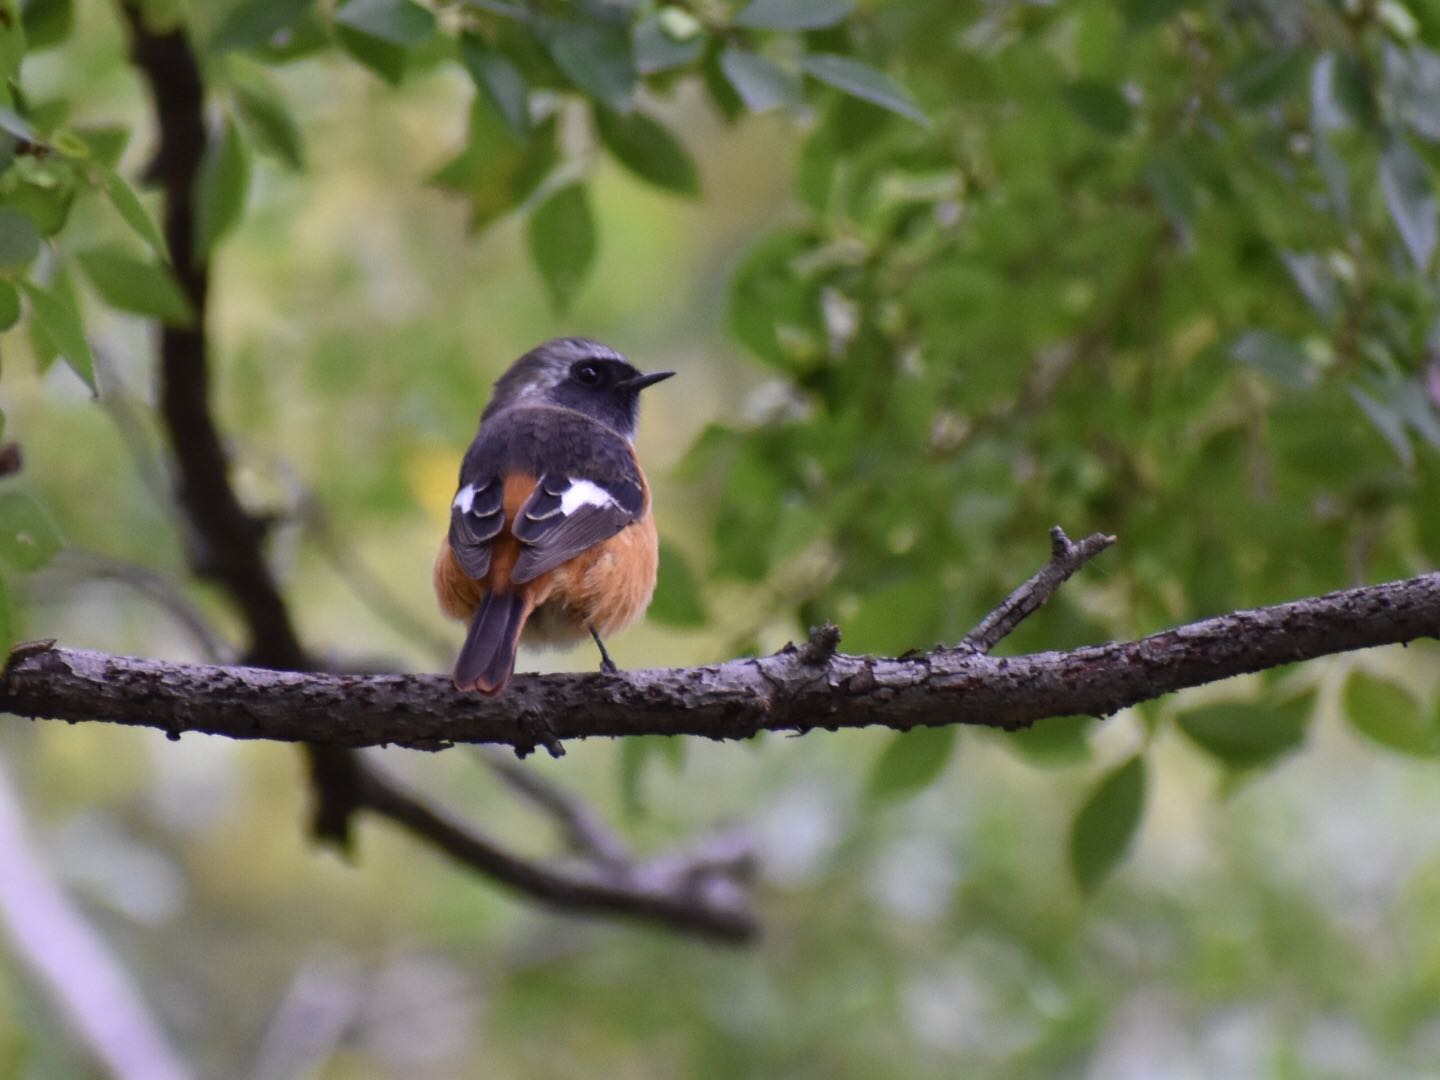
<point x="1113" y="285"/>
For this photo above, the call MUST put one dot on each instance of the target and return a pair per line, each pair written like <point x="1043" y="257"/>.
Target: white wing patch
<point x="464" y="499"/>
<point x="584" y="493"/>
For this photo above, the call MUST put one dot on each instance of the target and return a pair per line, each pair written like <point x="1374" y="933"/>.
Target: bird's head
<point x="578" y="374"/>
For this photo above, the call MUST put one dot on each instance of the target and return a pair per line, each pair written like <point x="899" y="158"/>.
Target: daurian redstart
<point x="551" y="535"/>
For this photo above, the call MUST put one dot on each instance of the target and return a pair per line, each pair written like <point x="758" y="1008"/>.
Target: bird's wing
<point x="477" y="515"/>
<point x="565" y="515"/>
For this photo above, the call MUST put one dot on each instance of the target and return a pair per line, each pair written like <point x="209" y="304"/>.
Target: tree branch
<point x="1066" y="557"/>
<point x="793" y="690"/>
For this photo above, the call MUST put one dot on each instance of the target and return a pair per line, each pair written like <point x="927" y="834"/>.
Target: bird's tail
<point x="487" y="659"/>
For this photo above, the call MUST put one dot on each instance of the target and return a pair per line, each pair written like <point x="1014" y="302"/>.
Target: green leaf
<point x="648" y="151"/>
<point x="794" y="14"/>
<point x="1410" y="198"/>
<point x="55" y="314"/>
<point x="12" y="40"/>
<point x="656" y="48"/>
<point x="597" y="59"/>
<point x="761" y="84"/>
<point x="47" y="22"/>
<point x="911" y="762"/>
<point x="127" y="203"/>
<point x="1388" y="422"/>
<point x="401" y="23"/>
<point x="502" y="83"/>
<point x="28" y="540"/>
<point x="384" y="59"/>
<point x="1390" y="715"/>
<point x="1106" y="824"/>
<point x="678" y="600"/>
<point x="1279" y="358"/>
<point x="497" y="172"/>
<point x="1100" y="105"/>
<point x="269" y="120"/>
<point x="1059" y="740"/>
<point x="562" y="242"/>
<point x="866" y="83"/>
<point x="1268" y="77"/>
<point x="133" y="285"/>
<point x="19" y="240"/>
<point x="1248" y="734"/>
<point x="9" y="307"/>
<point x="220" y="189"/>
<point x="254" y="23"/>
<point x="105" y="144"/>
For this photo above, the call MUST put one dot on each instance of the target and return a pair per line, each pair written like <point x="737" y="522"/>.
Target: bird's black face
<point x="606" y="389"/>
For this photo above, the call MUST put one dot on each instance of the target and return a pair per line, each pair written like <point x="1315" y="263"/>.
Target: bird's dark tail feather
<point x="487" y="659"/>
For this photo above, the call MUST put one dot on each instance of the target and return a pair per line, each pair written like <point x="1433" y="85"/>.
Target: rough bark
<point x="794" y="690"/>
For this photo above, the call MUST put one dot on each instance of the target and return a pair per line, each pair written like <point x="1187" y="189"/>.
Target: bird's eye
<point x="587" y="375"/>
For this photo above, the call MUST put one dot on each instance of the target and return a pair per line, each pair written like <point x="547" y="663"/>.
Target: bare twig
<point x="96" y="996"/>
<point x="733" y="700"/>
<point x="697" y="893"/>
<point x="1066" y="557"/>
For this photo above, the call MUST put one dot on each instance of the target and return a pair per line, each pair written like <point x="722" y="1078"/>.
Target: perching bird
<point x="551" y="535"/>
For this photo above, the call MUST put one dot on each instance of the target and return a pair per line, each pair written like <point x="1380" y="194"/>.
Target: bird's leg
<point x="606" y="664"/>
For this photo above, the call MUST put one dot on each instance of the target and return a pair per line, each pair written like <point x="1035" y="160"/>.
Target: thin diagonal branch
<point x="1066" y="557"/>
<point x="584" y="831"/>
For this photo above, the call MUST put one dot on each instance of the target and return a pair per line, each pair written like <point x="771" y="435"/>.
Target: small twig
<point x="1065" y="558"/>
<point x="584" y="831"/>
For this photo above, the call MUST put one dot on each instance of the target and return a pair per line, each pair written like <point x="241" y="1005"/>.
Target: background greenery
<point x="1161" y="269"/>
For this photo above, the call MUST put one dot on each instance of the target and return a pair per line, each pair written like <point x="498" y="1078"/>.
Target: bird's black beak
<point x="640" y="382"/>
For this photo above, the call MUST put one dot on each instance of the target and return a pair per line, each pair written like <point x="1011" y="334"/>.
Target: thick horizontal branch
<point x="794" y="690"/>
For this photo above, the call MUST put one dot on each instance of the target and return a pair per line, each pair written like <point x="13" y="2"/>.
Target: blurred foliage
<point x="1165" y="269"/>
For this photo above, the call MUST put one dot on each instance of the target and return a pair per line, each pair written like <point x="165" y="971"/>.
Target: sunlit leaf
<point x="133" y="285"/>
<point x="911" y="762"/>
<point x="860" y="80"/>
<point x="221" y="188"/>
<point x="28" y="539"/>
<point x="562" y="242"/>
<point x="1105" y="825"/>
<point x="644" y="147"/>
<point x="1391" y="716"/>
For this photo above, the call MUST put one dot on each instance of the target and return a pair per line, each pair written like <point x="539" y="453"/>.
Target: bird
<point x="551" y="534"/>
